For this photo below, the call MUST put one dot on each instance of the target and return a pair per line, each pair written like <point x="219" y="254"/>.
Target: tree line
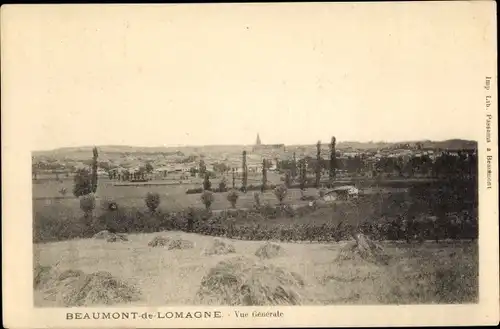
<point x="464" y="164"/>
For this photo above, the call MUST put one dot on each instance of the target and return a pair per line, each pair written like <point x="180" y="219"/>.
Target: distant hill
<point x="84" y="151"/>
<point x="450" y="144"/>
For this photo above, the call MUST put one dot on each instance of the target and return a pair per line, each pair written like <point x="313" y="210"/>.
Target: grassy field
<point x="173" y="198"/>
<point x="47" y="201"/>
<point x="424" y="273"/>
<point x="47" y="188"/>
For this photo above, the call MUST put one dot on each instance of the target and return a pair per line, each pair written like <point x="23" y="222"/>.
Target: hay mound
<point x="219" y="247"/>
<point x="110" y="237"/>
<point x="102" y="234"/>
<point x="241" y="281"/>
<point x="70" y="274"/>
<point x="117" y="237"/>
<point x="180" y="244"/>
<point x="363" y="249"/>
<point x="270" y="250"/>
<point x="159" y="241"/>
<point x="75" y="288"/>
<point x="42" y="275"/>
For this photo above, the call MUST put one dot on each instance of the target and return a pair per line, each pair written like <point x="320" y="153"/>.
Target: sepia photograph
<point x="202" y="162"/>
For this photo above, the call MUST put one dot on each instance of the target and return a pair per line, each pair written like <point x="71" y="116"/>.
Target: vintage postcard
<point x="249" y="165"/>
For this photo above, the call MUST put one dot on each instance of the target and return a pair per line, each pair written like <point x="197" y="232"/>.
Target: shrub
<point x="152" y="201"/>
<point x="256" y="199"/>
<point x="82" y="183"/>
<point x="206" y="183"/>
<point x="207" y="198"/>
<point x="287" y="179"/>
<point x="223" y="185"/>
<point x="268" y="211"/>
<point x="87" y="204"/>
<point x="280" y="193"/>
<point x="232" y="197"/>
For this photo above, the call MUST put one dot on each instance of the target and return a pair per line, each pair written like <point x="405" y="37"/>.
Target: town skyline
<point x="323" y="142"/>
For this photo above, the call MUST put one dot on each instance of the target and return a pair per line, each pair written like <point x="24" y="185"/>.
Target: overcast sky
<point x="198" y="75"/>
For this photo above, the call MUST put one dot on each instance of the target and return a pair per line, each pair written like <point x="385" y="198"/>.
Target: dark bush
<point x="82" y="183"/>
<point x="232" y="197"/>
<point x="87" y="204"/>
<point x="152" y="201"/>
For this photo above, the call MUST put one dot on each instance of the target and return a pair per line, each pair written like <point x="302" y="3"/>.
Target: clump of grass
<point x="241" y="281"/>
<point x="437" y="276"/>
<point x="270" y="250"/>
<point x="219" y="247"/>
<point x="159" y="241"/>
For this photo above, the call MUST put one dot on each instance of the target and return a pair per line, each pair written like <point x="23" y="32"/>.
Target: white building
<point x="341" y="193"/>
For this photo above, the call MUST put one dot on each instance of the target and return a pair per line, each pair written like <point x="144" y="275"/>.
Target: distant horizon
<point x="235" y="144"/>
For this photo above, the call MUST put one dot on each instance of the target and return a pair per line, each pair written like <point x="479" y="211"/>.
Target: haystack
<point x="75" y="288"/>
<point x="42" y="275"/>
<point x="102" y="235"/>
<point x="241" y="281"/>
<point x="270" y="250"/>
<point x="219" y="247"/>
<point x="110" y="237"/>
<point x="363" y="248"/>
<point x="117" y="237"/>
<point x="70" y="274"/>
<point x="159" y="241"/>
<point x="180" y="244"/>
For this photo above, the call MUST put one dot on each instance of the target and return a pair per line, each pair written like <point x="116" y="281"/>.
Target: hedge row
<point x="329" y="233"/>
<point x="258" y="224"/>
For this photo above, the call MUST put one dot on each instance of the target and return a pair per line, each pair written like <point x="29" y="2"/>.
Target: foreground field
<point x="423" y="273"/>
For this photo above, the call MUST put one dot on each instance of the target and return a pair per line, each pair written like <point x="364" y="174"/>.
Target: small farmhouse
<point x="341" y="193"/>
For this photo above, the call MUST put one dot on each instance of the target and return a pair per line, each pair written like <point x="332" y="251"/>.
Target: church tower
<point x="258" y="142"/>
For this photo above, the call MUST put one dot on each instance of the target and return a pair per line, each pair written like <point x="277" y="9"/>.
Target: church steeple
<point x="258" y="142"/>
